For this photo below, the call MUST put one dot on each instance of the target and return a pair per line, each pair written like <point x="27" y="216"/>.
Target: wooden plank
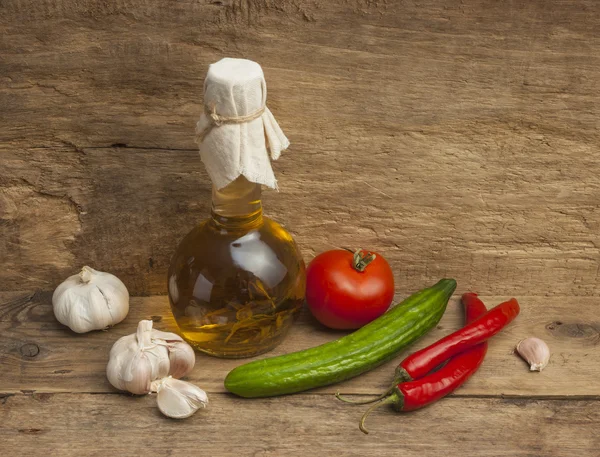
<point x="96" y="77"/>
<point x="452" y="219"/>
<point x="39" y="354"/>
<point x="94" y="425"/>
<point x="456" y="140"/>
<point x="59" y="215"/>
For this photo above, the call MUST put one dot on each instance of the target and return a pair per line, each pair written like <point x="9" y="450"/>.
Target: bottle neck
<point x="237" y="205"/>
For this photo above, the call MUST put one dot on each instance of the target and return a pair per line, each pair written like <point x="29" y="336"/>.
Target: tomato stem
<point x="362" y="259"/>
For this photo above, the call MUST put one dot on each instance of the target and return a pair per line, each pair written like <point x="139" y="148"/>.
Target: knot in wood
<point x="30" y="350"/>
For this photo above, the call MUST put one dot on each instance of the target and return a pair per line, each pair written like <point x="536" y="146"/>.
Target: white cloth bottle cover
<point x="237" y="131"/>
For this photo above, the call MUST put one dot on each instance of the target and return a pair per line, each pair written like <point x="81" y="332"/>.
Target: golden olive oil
<point x="237" y="280"/>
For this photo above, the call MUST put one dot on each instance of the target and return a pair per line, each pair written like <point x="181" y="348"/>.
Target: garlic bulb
<point x="90" y="300"/>
<point x="535" y="351"/>
<point x="178" y="399"/>
<point x="147" y="355"/>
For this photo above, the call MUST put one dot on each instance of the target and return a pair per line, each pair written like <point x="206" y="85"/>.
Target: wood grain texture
<point x="455" y="138"/>
<point x="39" y="354"/>
<point x="96" y="425"/>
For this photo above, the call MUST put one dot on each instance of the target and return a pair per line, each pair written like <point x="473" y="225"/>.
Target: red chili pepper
<point x="481" y="329"/>
<point x="426" y="390"/>
<point x="412" y="395"/>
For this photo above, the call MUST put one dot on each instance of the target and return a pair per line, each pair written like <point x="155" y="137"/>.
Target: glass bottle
<point x="237" y="280"/>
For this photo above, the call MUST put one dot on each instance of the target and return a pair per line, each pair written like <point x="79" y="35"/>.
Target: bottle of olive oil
<point x="237" y="280"/>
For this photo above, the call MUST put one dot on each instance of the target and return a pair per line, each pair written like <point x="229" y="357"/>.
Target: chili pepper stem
<point x="392" y="398"/>
<point x="401" y="375"/>
<point x="365" y="402"/>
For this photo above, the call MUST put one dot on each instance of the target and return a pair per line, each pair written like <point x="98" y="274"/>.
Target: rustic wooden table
<point x="57" y="401"/>
<point x="460" y="139"/>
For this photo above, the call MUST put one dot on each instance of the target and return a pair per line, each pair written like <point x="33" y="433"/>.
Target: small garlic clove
<point x="535" y="352"/>
<point x="182" y="358"/>
<point x="178" y="399"/>
<point x="120" y="353"/>
<point x="137" y="374"/>
<point x="181" y="355"/>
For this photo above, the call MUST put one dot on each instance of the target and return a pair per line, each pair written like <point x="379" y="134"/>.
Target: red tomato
<point x="341" y="296"/>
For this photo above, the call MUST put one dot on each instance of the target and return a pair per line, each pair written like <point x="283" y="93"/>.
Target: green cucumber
<point x="349" y="356"/>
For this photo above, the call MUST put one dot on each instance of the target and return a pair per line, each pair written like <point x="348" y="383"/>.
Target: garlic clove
<point x="120" y="352"/>
<point x="535" y="352"/>
<point x="182" y="358"/>
<point x="181" y="355"/>
<point x="178" y="399"/>
<point x="137" y="374"/>
<point x="157" y="353"/>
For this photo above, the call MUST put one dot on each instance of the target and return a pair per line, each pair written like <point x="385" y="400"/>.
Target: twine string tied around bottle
<point x="216" y="120"/>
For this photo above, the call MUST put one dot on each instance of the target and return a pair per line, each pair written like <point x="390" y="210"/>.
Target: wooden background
<point x="456" y="138"/>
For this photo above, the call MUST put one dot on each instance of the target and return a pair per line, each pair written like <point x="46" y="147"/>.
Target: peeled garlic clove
<point x="178" y="399"/>
<point x="90" y="300"/>
<point x="535" y="352"/>
<point x="182" y="358"/>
